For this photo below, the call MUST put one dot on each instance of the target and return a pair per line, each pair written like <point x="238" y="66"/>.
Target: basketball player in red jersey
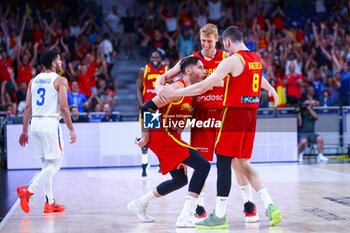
<point x="145" y="83"/>
<point x="209" y="106"/>
<point x="172" y="152"/>
<point x="236" y="136"/>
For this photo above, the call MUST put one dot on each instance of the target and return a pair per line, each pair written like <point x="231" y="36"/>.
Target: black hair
<point x="233" y="33"/>
<point x="47" y="57"/>
<point x="188" y="61"/>
<point x="159" y="51"/>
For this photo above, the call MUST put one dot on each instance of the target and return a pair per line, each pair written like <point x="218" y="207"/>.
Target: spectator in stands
<point x="326" y="99"/>
<point x="108" y="115"/>
<point x="97" y="114"/>
<point x="76" y="98"/>
<point x="21" y="97"/>
<point x="306" y="130"/>
<point x="293" y="83"/>
<point x="26" y="70"/>
<point x="128" y="22"/>
<point x="76" y="117"/>
<point x="345" y="84"/>
<point x="113" y="23"/>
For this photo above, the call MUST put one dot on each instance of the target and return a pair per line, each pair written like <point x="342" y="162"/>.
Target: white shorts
<point x="47" y="142"/>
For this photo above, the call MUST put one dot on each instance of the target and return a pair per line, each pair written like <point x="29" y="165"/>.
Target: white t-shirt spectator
<point x="106" y="49"/>
<point x="113" y="22"/>
<point x="74" y="30"/>
<point x="202" y="20"/>
<point x="215" y="10"/>
<point x="297" y="64"/>
<point x="171" y="24"/>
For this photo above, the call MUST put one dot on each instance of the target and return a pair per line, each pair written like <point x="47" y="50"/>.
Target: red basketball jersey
<point x="150" y="76"/>
<point x="212" y="99"/>
<point x="243" y="91"/>
<point x="166" y="142"/>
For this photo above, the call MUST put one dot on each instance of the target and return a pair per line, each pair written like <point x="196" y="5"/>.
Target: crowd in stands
<point x="304" y="45"/>
<point x="76" y="32"/>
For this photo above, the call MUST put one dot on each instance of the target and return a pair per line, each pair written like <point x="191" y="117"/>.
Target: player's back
<point x="45" y="105"/>
<point x="243" y="91"/>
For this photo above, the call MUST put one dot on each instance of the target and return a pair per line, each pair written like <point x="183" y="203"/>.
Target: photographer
<point x="306" y="130"/>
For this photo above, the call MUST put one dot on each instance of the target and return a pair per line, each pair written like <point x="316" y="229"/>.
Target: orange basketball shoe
<point x="54" y="207"/>
<point x="24" y="195"/>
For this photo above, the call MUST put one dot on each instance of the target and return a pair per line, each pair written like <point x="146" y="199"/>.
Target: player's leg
<point x="140" y="205"/>
<point x="51" y="205"/>
<point x="217" y="219"/>
<point x="302" y="139"/>
<point x="251" y="214"/>
<point x="201" y="170"/>
<point x="144" y="161"/>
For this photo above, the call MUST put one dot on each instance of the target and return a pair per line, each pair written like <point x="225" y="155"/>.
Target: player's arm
<point x="62" y="88"/>
<point x="139" y="85"/>
<point x="231" y="65"/>
<point x="271" y="91"/>
<point x="152" y="106"/>
<point x="167" y="76"/>
<point x="23" y="139"/>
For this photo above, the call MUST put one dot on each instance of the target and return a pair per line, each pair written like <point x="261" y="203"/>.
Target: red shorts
<point x="203" y="139"/>
<point x="169" y="148"/>
<point x="237" y="133"/>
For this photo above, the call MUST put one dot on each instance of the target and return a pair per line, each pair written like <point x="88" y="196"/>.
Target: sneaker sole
<point x="201" y="227"/>
<point x="276" y="218"/>
<point x="252" y="219"/>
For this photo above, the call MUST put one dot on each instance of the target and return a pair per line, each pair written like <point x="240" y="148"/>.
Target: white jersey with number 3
<point x="45" y="96"/>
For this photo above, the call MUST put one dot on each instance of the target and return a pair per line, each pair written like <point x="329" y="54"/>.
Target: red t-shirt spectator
<point x="24" y="74"/>
<point x="293" y="87"/>
<point x="4" y="73"/>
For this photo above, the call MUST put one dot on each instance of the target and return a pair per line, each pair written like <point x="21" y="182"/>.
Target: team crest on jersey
<point x="250" y="99"/>
<point x="186" y="106"/>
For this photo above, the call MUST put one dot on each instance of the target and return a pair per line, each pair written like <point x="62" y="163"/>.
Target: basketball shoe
<point x="213" y="222"/>
<point x="200" y="213"/>
<point x="274" y="214"/>
<point x="54" y="207"/>
<point x="251" y="215"/>
<point x="24" y="195"/>
<point x="139" y="208"/>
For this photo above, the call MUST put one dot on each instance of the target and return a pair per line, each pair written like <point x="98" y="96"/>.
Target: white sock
<point x="189" y="206"/>
<point x="33" y="187"/>
<point x="246" y="193"/>
<point x="148" y="197"/>
<point x="144" y="158"/>
<point x="200" y="199"/>
<point x="265" y="197"/>
<point x="221" y="205"/>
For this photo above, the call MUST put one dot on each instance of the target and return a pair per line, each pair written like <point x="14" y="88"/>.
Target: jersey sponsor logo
<point x="207" y="98"/>
<point x="255" y="65"/>
<point x="250" y="99"/>
<point x="153" y="91"/>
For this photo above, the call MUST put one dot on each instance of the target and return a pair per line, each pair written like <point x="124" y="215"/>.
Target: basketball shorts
<point x="47" y="142"/>
<point x="237" y="133"/>
<point x="203" y="139"/>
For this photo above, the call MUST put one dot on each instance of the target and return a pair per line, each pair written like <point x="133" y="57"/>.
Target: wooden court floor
<point x="312" y="198"/>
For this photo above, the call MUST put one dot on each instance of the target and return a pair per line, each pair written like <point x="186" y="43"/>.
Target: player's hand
<point x="141" y="142"/>
<point x="23" y="139"/>
<point x="73" y="137"/>
<point x="166" y="93"/>
<point x="275" y="97"/>
<point x="182" y="166"/>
